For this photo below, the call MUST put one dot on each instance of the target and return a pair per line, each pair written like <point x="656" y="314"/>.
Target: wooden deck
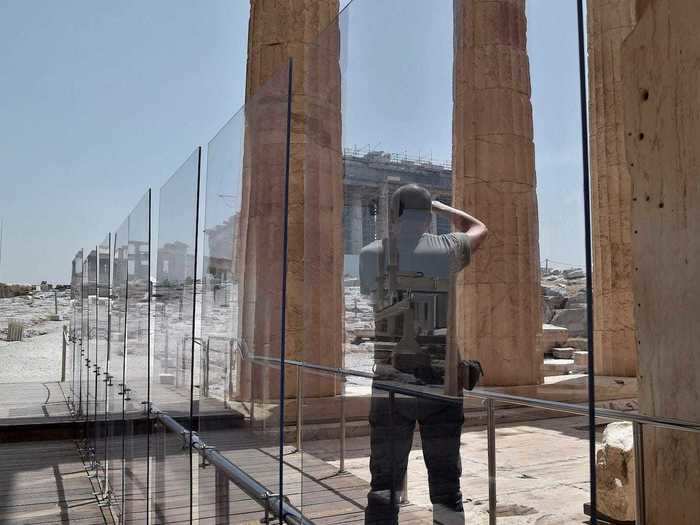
<point x="313" y="486"/>
<point x="45" y="483"/>
<point x="32" y="402"/>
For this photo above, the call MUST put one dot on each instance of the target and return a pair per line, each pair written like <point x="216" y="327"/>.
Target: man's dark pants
<point x="392" y="425"/>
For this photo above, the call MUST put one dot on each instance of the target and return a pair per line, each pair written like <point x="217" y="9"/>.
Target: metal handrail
<point x="559" y="406"/>
<point x="489" y="398"/>
<point x="277" y="505"/>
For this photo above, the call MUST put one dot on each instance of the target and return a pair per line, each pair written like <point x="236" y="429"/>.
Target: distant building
<point x="369" y="181"/>
<point x="175" y="262"/>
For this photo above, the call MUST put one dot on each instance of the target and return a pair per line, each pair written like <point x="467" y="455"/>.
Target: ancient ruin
<point x="290" y="339"/>
<point x="497" y="313"/>
<point x="279" y="31"/>
<point x="661" y="63"/>
<point x="609" y="23"/>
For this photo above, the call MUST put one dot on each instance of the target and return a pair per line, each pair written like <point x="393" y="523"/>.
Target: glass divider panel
<point x="115" y="377"/>
<point x="172" y="387"/>
<point x="137" y="365"/>
<point x="381" y="267"/>
<point x="244" y="227"/>
<point x="76" y="276"/>
<point x="104" y="268"/>
<point x="91" y="361"/>
<point x="645" y="286"/>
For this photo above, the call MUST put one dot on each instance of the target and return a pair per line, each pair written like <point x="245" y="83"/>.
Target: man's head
<point x="411" y="207"/>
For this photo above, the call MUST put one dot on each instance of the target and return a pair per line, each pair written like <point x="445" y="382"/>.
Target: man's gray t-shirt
<point x="434" y="256"/>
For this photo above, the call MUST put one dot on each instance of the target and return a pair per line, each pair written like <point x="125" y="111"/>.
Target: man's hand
<point x="462" y="221"/>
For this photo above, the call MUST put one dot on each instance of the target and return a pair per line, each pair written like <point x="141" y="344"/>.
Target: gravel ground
<point x="38" y="357"/>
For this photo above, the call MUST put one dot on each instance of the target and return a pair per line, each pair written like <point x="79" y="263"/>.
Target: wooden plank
<point x="42" y="483"/>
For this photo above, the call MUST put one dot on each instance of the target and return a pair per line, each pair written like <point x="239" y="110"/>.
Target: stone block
<point x="166" y="379"/>
<point x="580" y="361"/>
<point x="579" y="343"/>
<point x="575" y="273"/>
<point x="557" y="367"/>
<point x="563" y="352"/>
<point x="15" y="331"/>
<point x="552" y="336"/>
<point x="574" y="319"/>
<point x="615" y="472"/>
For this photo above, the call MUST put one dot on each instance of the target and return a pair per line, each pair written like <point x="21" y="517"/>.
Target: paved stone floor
<point x="542" y="471"/>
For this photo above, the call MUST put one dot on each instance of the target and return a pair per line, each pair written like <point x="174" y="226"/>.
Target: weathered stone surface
<point x="553" y="298"/>
<point x="577" y="300"/>
<point x="609" y="23"/>
<point x="302" y="30"/>
<point x="574" y="273"/>
<point x="498" y="311"/>
<point x="562" y="352"/>
<point x="580" y="360"/>
<point x="580" y="343"/>
<point x="573" y="319"/>
<point x="615" y="472"/>
<point x="661" y="67"/>
<point x="552" y="336"/>
<point x="557" y="367"/>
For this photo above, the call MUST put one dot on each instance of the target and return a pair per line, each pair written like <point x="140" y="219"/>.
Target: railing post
<point x="205" y="375"/>
<point x="300" y="407"/>
<point x="63" y="356"/>
<point x="640" y="514"/>
<point x="404" y="488"/>
<point x="222" y="498"/>
<point x="491" y="441"/>
<point x="159" y="432"/>
<point x="341" y="468"/>
<point x="252" y="392"/>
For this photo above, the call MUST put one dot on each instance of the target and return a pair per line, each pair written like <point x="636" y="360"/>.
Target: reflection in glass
<point x="104" y="267"/>
<point x="114" y="461"/>
<point x="242" y="300"/>
<point x="136" y="390"/>
<point x="172" y="385"/>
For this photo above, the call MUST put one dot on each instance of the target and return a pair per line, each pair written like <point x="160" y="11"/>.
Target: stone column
<point x="383" y="212"/>
<point x="300" y="29"/>
<point x="609" y="23"/>
<point x="356" y="219"/>
<point x="661" y="67"/>
<point x="497" y="312"/>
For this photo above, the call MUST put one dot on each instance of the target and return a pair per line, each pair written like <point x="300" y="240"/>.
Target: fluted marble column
<point x="300" y="29"/>
<point x="497" y="313"/>
<point x="609" y="23"/>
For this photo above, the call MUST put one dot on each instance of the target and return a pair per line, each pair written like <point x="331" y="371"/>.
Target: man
<point x="404" y="261"/>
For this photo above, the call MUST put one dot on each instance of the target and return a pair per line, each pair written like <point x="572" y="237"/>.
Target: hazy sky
<point x="100" y="100"/>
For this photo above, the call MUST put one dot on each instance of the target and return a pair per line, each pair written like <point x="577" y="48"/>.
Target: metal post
<point x="392" y="453"/>
<point x="63" y="356"/>
<point x="159" y="464"/>
<point x="404" y="488"/>
<point x="222" y="498"/>
<point x="341" y="469"/>
<point x="491" y="441"/>
<point x="205" y="372"/>
<point x="640" y="514"/>
<point x="300" y="407"/>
